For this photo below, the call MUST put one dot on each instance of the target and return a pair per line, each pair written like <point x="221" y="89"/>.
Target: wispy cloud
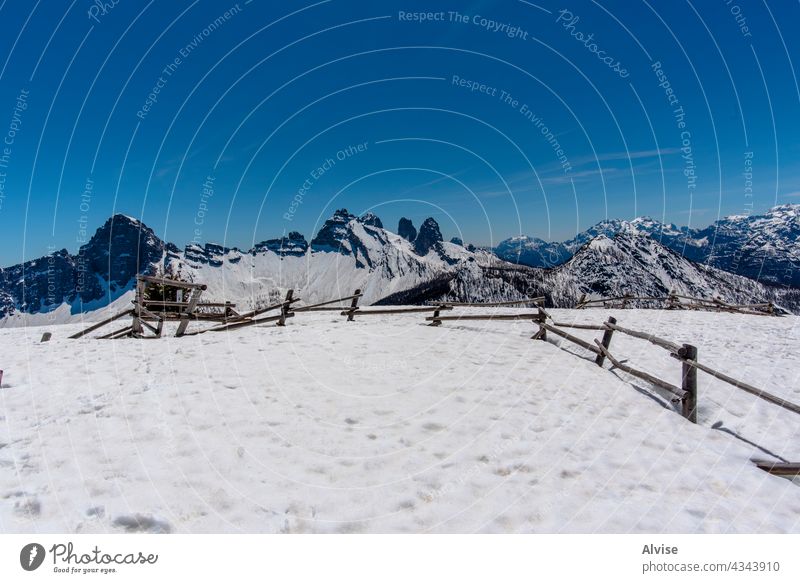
<point x="795" y="194"/>
<point x="623" y="156"/>
<point x="581" y="176"/>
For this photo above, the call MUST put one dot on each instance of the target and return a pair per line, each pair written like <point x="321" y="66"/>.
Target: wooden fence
<point x="686" y="354"/>
<point x="675" y="301"/>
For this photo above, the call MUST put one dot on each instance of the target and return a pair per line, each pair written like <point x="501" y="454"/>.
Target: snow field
<point x="388" y="425"/>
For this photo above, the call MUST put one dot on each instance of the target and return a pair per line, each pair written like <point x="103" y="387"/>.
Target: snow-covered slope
<point x="627" y="263"/>
<point x="387" y="425"/>
<point x="762" y="247"/>
<point x="348" y="253"/>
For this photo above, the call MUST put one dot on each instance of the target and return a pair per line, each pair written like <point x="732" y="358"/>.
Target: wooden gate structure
<point x="160" y="299"/>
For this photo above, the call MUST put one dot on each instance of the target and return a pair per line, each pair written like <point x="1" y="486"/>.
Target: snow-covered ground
<point x="387" y="425"/>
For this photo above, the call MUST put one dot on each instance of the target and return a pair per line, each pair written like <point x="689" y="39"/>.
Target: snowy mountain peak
<point x="429" y="235"/>
<point x="761" y="247"/>
<point x="371" y="219"/>
<point x="406" y="229"/>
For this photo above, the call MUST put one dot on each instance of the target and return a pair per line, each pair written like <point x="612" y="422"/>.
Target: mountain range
<point x="641" y="257"/>
<point x="762" y="247"/>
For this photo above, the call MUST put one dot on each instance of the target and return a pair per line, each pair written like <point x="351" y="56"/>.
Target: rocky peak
<point x="406" y="230"/>
<point x="429" y="235"/>
<point x="333" y="232"/>
<point x="292" y="244"/>
<point x="120" y="249"/>
<point x="371" y="219"/>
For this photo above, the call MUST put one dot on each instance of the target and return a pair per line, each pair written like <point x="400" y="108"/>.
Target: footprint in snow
<point x="96" y="511"/>
<point x="142" y="523"/>
<point x="28" y="507"/>
<point x="432" y="427"/>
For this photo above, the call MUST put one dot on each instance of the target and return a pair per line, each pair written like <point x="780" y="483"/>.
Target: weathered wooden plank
<point x="353" y="306"/>
<point x="94" y="327"/>
<point x="606" y="342"/>
<point x="194" y="297"/>
<point x="680" y="393"/>
<point x="314" y="307"/>
<point x="186" y="304"/>
<point x="267" y="309"/>
<point x="323" y="309"/>
<point x="117" y="333"/>
<point x="581" y="326"/>
<point x="672" y="346"/>
<point x="779" y="468"/>
<point x="534" y="317"/>
<point x="171" y="282"/>
<point x="397" y="311"/>
<point x="245" y="323"/>
<point x="740" y="384"/>
<point x="625" y="298"/>
<point x="287" y="304"/>
<point x="489" y="304"/>
<point x="689" y="383"/>
<point x="574" y="339"/>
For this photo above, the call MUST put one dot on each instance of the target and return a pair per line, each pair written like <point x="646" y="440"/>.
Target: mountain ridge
<point x="352" y="251"/>
<point x="762" y="247"/>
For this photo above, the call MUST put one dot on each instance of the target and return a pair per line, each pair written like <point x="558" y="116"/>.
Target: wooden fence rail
<point x="102" y="323"/>
<point x="692" y="362"/>
<point x="534" y="317"/>
<point x="326" y="306"/>
<point x="537" y="300"/>
<point x="686" y="354"/>
<point x="681" y="394"/>
<point x="779" y="468"/>
<point x="652" y="338"/>
<point x="382" y="311"/>
<point x="672" y="301"/>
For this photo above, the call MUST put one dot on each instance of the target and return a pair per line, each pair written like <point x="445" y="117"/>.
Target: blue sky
<point x="497" y="118"/>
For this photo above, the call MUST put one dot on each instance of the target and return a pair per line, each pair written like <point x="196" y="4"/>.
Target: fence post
<point x="353" y="306"/>
<point x="285" y="308"/>
<point x="689" y="383"/>
<point x="436" y="313"/>
<point x="542" y="333"/>
<point x="606" y="342"/>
